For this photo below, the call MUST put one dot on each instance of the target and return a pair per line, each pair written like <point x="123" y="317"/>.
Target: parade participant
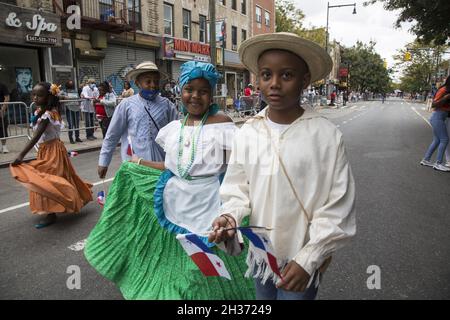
<point x="441" y="107"/>
<point x="53" y="183"/>
<point x="134" y="244"/>
<point x="138" y="118"/>
<point x="288" y="170"/>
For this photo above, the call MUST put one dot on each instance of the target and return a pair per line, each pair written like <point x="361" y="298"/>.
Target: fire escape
<point x="113" y="16"/>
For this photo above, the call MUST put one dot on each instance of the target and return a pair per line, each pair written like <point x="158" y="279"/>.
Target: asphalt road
<point x="403" y="217"/>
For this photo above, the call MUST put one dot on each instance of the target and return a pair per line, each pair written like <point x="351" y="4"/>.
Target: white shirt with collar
<point x="313" y="154"/>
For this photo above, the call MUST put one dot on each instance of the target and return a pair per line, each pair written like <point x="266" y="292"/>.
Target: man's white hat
<point x="146" y="66"/>
<point x="316" y="58"/>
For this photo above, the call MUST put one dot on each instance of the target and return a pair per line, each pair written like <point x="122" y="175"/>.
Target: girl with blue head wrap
<point x="147" y="209"/>
<point x="204" y="73"/>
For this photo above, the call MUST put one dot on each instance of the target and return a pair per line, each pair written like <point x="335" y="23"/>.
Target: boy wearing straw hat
<point x="138" y="119"/>
<point x="288" y="171"/>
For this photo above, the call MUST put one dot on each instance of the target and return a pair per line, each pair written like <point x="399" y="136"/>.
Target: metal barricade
<point x="248" y="106"/>
<point x="14" y="120"/>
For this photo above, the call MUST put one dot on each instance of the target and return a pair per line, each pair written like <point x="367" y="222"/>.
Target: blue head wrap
<point x="192" y="70"/>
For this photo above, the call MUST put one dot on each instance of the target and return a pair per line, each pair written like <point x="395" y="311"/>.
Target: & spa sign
<point x="29" y="27"/>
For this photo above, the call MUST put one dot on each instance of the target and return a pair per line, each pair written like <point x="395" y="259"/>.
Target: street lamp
<point x="327" y="34"/>
<point x="328" y="15"/>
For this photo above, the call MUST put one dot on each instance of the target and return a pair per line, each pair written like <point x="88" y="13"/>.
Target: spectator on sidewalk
<point x="51" y="179"/>
<point x="333" y="98"/>
<point x="441" y="107"/>
<point x="138" y="119"/>
<point x="288" y="170"/>
<point x="104" y="106"/>
<point x="4" y="120"/>
<point x="89" y="93"/>
<point x="127" y="90"/>
<point x="72" y="110"/>
<point x="248" y="91"/>
<point x="166" y="92"/>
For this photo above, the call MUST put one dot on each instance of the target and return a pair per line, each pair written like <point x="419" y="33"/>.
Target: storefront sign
<point x="27" y="27"/>
<point x="171" y="46"/>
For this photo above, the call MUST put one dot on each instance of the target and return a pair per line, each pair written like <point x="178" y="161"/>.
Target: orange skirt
<point x="51" y="179"/>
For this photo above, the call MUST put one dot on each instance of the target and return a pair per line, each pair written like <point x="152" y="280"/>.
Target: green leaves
<point x="431" y="17"/>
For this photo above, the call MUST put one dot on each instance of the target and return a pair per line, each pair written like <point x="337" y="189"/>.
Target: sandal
<point x="48" y="220"/>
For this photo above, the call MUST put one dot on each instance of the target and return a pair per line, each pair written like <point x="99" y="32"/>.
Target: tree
<point x="367" y="69"/>
<point x="420" y="72"/>
<point x="289" y="19"/>
<point x="432" y="18"/>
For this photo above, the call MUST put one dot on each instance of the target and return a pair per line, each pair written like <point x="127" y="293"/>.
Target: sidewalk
<point x="15" y="145"/>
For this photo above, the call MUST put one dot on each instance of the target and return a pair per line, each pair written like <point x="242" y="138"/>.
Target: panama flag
<point x="206" y="260"/>
<point x="101" y="198"/>
<point x="130" y="148"/>
<point x="261" y="247"/>
<point x="72" y="154"/>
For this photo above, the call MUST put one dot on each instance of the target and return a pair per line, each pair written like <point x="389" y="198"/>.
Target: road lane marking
<point x="18" y="206"/>
<point x="78" y="246"/>
<point x="426" y="120"/>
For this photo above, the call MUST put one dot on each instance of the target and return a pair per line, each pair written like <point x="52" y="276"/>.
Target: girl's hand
<point x="295" y="278"/>
<point x="17" y="161"/>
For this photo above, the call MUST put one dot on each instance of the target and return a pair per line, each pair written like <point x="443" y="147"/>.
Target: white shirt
<point x="53" y="129"/>
<point x="88" y="94"/>
<point x="313" y="154"/>
<point x="209" y="155"/>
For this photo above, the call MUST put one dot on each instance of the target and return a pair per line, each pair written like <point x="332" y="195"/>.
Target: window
<point x="258" y="14"/>
<point x="234" y="38"/>
<point x="186" y="24"/>
<point x="234" y="4"/>
<point x="106" y="10"/>
<point x="267" y="18"/>
<point x="202" y="27"/>
<point x="243" y="35"/>
<point x="134" y="13"/>
<point x="168" y="19"/>
<point x="244" y="6"/>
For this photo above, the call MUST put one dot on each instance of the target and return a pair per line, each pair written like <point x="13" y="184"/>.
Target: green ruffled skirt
<point x="130" y="248"/>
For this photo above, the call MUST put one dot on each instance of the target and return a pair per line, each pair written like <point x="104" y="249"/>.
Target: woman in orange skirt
<point x="51" y="179"/>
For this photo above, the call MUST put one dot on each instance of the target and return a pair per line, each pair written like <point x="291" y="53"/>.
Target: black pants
<point x="104" y="124"/>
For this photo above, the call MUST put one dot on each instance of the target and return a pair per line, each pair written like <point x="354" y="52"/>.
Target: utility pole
<point x="212" y="31"/>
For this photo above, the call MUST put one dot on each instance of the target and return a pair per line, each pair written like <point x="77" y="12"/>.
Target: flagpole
<point x="228" y="229"/>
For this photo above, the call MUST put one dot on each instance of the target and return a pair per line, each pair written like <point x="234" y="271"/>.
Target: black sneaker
<point x="78" y="140"/>
<point x="71" y="141"/>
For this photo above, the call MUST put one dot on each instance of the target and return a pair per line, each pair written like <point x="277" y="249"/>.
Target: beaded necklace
<point x="184" y="172"/>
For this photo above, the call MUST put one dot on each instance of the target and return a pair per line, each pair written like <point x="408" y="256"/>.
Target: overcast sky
<point x="370" y="23"/>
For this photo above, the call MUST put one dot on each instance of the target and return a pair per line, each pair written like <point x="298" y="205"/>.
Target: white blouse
<point x="53" y="129"/>
<point x="211" y="142"/>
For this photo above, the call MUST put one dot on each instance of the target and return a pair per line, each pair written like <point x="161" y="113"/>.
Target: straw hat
<point x="317" y="59"/>
<point x="146" y="66"/>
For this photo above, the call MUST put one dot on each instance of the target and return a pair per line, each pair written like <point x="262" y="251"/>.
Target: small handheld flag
<point x="261" y="249"/>
<point x="72" y="154"/>
<point x="205" y="259"/>
<point x="130" y="148"/>
<point x="101" y="198"/>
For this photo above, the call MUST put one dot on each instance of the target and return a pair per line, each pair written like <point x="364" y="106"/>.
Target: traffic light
<point x="407" y="56"/>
